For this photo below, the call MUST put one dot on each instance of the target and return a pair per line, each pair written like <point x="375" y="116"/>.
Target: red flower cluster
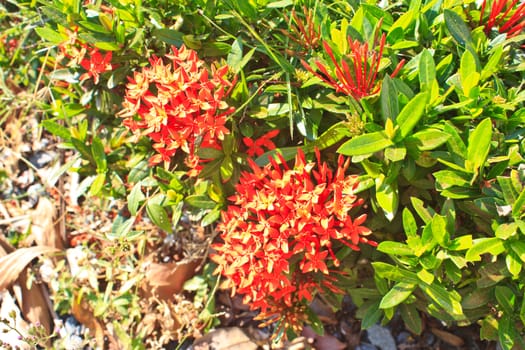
<point x="95" y="64"/>
<point x="279" y="234"/>
<point x="255" y="148"/>
<point x="178" y="105"/>
<point x="356" y="73"/>
<point x="505" y="16"/>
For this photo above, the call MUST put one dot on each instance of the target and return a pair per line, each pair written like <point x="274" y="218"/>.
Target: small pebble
<point x="41" y="159"/>
<point x="381" y="337"/>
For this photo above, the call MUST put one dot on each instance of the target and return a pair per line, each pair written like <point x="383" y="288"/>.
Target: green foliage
<point x="437" y="144"/>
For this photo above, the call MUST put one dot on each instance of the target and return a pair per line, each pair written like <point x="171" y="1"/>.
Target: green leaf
<point x="158" y="215"/>
<point x="409" y="223"/>
<point x="411" y="317"/>
<point x="507" y="332"/>
<point x="439" y="230"/>
<point x="389" y="100"/>
<point x="517" y="207"/>
<point x="519" y="248"/>
<point x="447" y="300"/>
<point x="513" y="263"/>
<point x="428" y="139"/>
<point x="457" y="28"/>
<point x="280" y="4"/>
<point x="394" y="248"/>
<point x="387" y="196"/>
<point x="211" y="217"/>
<point x="506" y="230"/>
<point x="395" y="154"/>
<point x="506" y="299"/>
<point x="394" y="273"/>
<point x="169" y="36"/>
<point x="492" y="245"/>
<point x="427" y="70"/>
<point x="50" y="35"/>
<point x="424" y="213"/>
<point x="56" y="129"/>
<point x="314" y="321"/>
<point x="371" y="315"/>
<point x="99" y="155"/>
<point x="330" y="137"/>
<point x="509" y="192"/>
<point x="410" y="116"/>
<point x="97" y="184"/>
<point x="134" y="198"/>
<point x="479" y="145"/>
<point x="200" y="201"/>
<point x="479" y="297"/>
<point x="365" y="144"/>
<point x="399" y="293"/>
<point x="448" y="178"/>
<point x="461" y="243"/>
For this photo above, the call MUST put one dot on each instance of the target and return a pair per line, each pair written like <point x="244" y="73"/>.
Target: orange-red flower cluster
<point x="355" y="74"/>
<point x="178" y="105"/>
<point x="507" y="15"/>
<point x="278" y="235"/>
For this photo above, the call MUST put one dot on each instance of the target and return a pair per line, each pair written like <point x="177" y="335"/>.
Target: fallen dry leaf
<point x="84" y="315"/>
<point x="232" y="338"/>
<point x="164" y="280"/>
<point x="448" y="337"/>
<point x="35" y="305"/>
<point x="323" y="342"/>
<point x="12" y="264"/>
<point x="43" y="230"/>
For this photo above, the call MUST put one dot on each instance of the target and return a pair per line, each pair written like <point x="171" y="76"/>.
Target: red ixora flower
<point x="255" y="148"/>
<point x="355" y="74"/>
<point x="279" y="233"/>
<point x="95" y="63"/>
<point x="505" y="16"/>
<point x="178" y="105"/>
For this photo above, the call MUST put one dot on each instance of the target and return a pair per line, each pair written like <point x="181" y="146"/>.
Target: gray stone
<point x="381" y="337"/>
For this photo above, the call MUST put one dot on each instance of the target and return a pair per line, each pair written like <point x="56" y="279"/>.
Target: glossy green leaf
<point x="365" y="144"/>
<point x="409" y="223"/>
<point x="448" y="300"/>
<point x="410" y="115"/>
<point x="479" y="145"/>
<point x="56" y="129"/>
<point x="99" y="155"/>
<point x="50" y="35"/>
<point x="158" y="215"/>
<point x="439" y="230"/>
<point x="169" y="36"/>
<point x="135" y="197"/>
<point x="514" y="263"/>
<point x="461" y="243"/>
<point x="372" y="314"/>
<point x="394" y="248"/>
<point x="457" y="28"/>
<point x="519" y="248"/>
<point x="448" y="178"/>
<point x="389" y="100"/>
<point x="427" y="70"/>
<point x="424" y="213"/>
<point x="506" y="298"/>
<point x="387" y="196"/>
<point x="394" y="273"/>
<point x="200" y="201"/>
<point x="399" y="293"/>
<point x="427" y="139"/>
<point x="411" y="317"/>
<point x="97" y="184"/>
<point x="492" y="245"/>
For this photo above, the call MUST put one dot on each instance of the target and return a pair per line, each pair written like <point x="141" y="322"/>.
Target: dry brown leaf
<point x="44" y="231"/>
<point x="12" y="264"/>
<point x="84" y="315"/>
<point x="448" y="337"/>
<point x="35" y="305"/>
<point x="164" y="280"/>
<point x="232" y="338"/>
<point x="323" y="342"/>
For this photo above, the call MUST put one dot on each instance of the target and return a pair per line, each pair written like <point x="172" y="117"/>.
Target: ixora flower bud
<point x="178" y="104"/>
<point x="279" y="234"/>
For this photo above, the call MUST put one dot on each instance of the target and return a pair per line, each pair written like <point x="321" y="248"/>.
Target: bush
<point x="425" y="98"/>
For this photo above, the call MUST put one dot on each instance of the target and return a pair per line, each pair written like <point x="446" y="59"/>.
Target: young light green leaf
<point x="98" y="153"/>
<point x="387" y="196"/>
<point x="134" y="198"/>
<point x="50" y="35"/>
<point x="479" y="145"/>
<point x="424" y="213"/>
<point x="56" y="129"/>
<point x="448" y="178"/>
<point x="399" y="293"/>
<point x="492" y="245"/>
<point x="439" y="230"/>
<point x="200" y="201"/>
<point x="365" y="144"/>
<point x="97" y="184"/>
<point x="394" y="248"/>
<point x="428" y="139"/>
<point x="410" y="116"/>
<point x="427" y="70"/>
<point x="394" y="273"/>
